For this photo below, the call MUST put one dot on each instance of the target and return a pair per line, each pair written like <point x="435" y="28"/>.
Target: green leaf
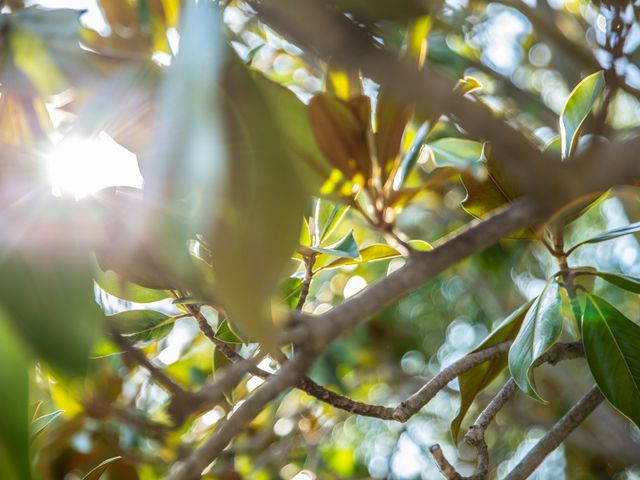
<point x="293" y="120"/>
<point x="411" y="157"/>
<point x="14" y="405"/>
<point x="290" y="290"/>
<point x="610" y="235"/>
<point x="375" y="253"/>
<point x="188" y="157"/>
<point x="541" y="329"/>
<point x="345" y="247"/>
<point x="460" y="153"/>
<point x="50" y="298"/>
<point x="115" y="285"/>
<point x="40" y="423"/>
<point x="611" y="343"/>
<point x="255" y="235"/>
<point x="474" y="381"/>
<point x="98" y="471"/>
<point x="626" y="282"/>
<point x="327" y="217"/>
<point x="575" y="111"/>
<point x="142" y="326"/>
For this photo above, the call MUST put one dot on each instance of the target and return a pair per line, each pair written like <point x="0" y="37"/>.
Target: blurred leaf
<point x="115" y="285"/>
<point x="345" y="247"/>
<point x="610" y="235"/>
<point x="492" y="192"/>
<point x="189" y="161"/>
<point x="469" y="84"/>
<point x="611" y="346"/>
<point x="461" y="154"/>
<point x="341" y="129"/>
<point x="383" y="9"/>
<point x="580" y="102"/>
<point x="98" y="471"/>
<point x="226" y="334"/>
<point x="14" y="405"/>
<point x="293" y="119"/>
<point x="50" y="296"/>
<point x="39" y="424"/>
<point x="541" y="329"/>
<point x="327" y="217"/>
<point x="344" y="84"/>
<point x="411" y="157"/>
<point x="257" y="231"/>
<point x="474" y="381"/>
<point x="393" y="114"/>
<point x="290" y="290"/>
<point x="142" y="325"/>
<point x="626" y="282"/>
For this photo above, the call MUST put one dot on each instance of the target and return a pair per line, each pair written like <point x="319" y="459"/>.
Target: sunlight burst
<point x="81" y="167"/>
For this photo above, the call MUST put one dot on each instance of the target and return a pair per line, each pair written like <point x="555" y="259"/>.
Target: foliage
<point x="279" y="183"/>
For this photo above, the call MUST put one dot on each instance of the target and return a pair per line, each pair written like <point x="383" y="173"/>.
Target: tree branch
<point x="554" y="437"/>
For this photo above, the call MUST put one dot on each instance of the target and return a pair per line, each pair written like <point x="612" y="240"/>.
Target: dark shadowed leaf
<point x="474" y="381"/>
<point x="14" y="405"/>
<point x="541" y="328"/>
<point x="611" y="345"/>
<point x="575" y="110"/>
<point x="341" y="129"/>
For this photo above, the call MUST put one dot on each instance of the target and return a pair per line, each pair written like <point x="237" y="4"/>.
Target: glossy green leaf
<point x="39" y="424"/>
<point x="50" y="298"/>
<point x="474" y="381"/>
<point x="411" y="157"/>
<point x="626" y="282"/>
<point x="115" y="285"/>
<point x="575" y="110"/>
<point x="459" y="153"/>
<point x="327" y="217"/>
<point x="14" y="405"/>
<point x="541" y="328"/>
<point x="374" y="253"/>
<point x="611" y="343"/>
<point x="98" y="471"/>
<point x="345" y="247"/>
<point x="610" y="235"/>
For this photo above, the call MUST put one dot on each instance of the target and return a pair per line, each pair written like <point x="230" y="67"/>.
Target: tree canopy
<point x="319" y="239"/>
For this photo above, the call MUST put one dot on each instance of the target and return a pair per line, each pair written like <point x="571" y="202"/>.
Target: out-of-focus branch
<point x="136" y="356"/>
<point x="330" y="35"/>
<point x="475" y="434"/>
<point x="192" y="467"/>
<point x="554" y="437"/>
<point x="415" y="402"/>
